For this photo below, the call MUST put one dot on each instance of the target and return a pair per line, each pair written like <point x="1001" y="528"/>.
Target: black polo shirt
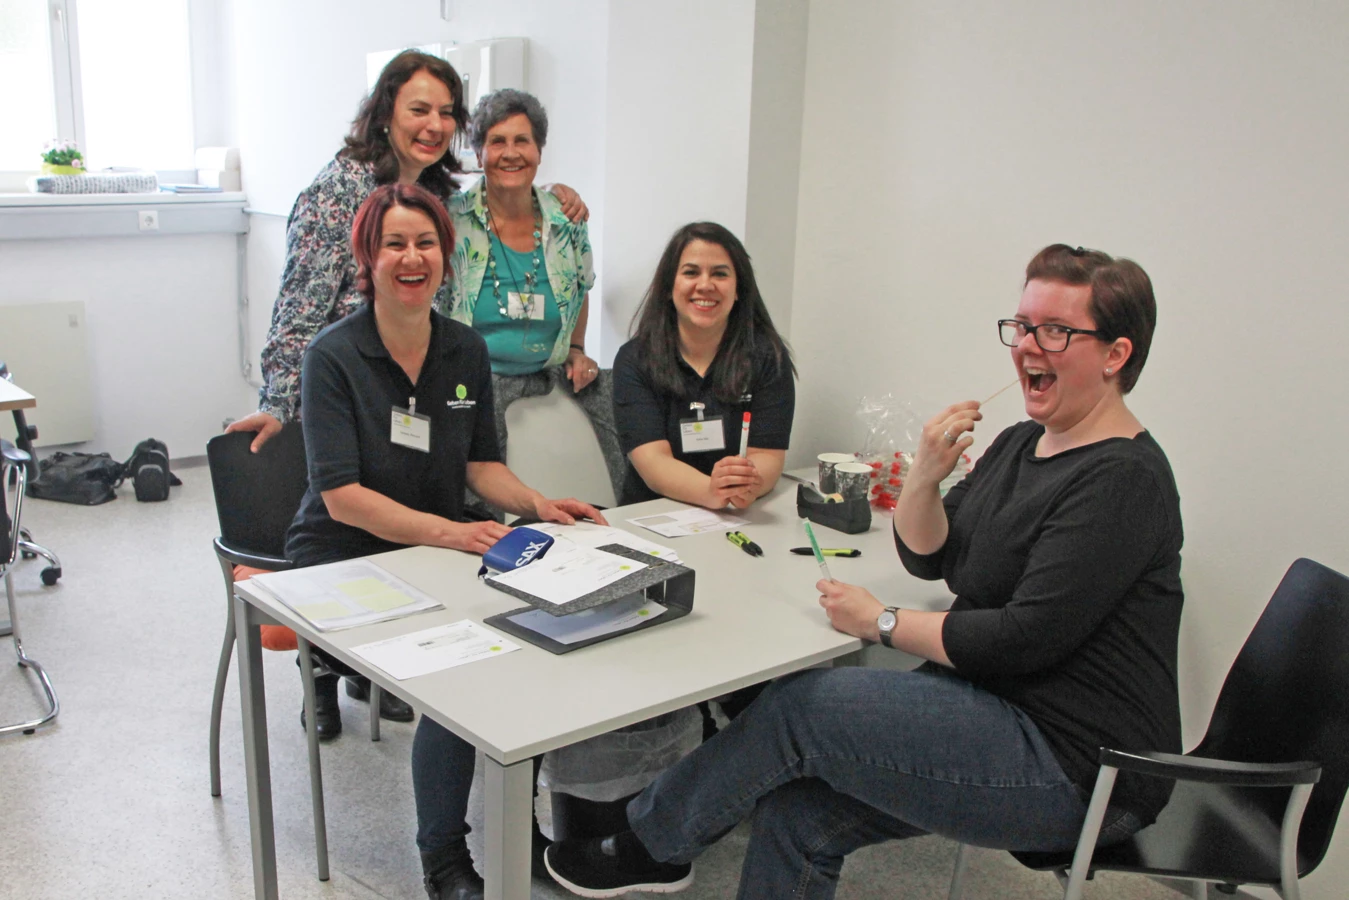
<point x="349" y="386"/>
<point x="644" y="413"/>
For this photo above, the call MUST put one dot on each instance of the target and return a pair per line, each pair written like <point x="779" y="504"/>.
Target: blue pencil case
<point x="519" y="548"/>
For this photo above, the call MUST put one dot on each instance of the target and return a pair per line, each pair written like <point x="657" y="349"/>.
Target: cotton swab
<point x="999" y="391"/>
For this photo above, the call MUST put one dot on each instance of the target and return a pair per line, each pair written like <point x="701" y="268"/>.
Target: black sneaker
<point x="613" y="866"/>
<point x="390" y="707"/>
<point x="448" y="873"/>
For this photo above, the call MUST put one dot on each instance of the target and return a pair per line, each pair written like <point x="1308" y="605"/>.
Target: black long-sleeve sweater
<point x="1066" y="571"/>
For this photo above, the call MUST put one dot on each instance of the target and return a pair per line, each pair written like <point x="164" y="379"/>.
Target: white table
<point x="12" y="397"/>
<point x="753" y="619"/>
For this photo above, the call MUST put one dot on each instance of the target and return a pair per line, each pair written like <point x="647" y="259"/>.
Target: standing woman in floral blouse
<point x="523" y="273"/>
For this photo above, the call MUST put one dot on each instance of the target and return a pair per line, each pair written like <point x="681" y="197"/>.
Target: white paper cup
<point x="852" y="479"/>
<point x="827" y="463"/>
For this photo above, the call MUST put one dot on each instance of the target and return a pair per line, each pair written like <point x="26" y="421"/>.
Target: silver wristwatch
<point x="885" y="622"/>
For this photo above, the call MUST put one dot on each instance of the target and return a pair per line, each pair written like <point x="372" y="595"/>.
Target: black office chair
<point x="1244" y="810"/>
<point x="13" y="482"/>
<point x="25" y="434"/>
<point x="256" y="497"/>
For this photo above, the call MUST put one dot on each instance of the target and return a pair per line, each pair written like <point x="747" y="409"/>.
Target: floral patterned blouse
<point x="566" y="255"/>
<point x="318" y="282"/>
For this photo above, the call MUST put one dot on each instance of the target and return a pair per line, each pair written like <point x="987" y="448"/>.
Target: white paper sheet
<point x="588" y="623"/>
<point x="345" y="594"/>
<point x="434" y="649"/>
<point x="568" y="572"/>
<point x="588" y="534"/>
<point x="680" y="522"/>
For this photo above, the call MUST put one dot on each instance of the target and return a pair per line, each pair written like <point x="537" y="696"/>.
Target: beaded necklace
<point x="530" y="278"/>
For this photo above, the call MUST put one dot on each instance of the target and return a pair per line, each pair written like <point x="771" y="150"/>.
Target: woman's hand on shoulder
<point x="945" y="436"/>
<point x="473" y="537"/>
<point x="573" y="207"/>
<point x="265" y="424"/>
<point x="851" y="609"/>
<point x="733" y="479"/>
<point x="567" y="511"/>
<point x="581" y="369"/>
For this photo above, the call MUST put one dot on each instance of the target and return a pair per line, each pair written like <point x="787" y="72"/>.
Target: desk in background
<point x="754" y="618"/>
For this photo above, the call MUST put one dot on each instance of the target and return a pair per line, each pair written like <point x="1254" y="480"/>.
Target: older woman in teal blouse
<point x="524" y="272"/>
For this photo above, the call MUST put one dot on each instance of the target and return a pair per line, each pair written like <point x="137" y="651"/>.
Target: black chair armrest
<point x="1212" y="771"/>
<point x="240" y="556"/>
<point x="13" y="455"/>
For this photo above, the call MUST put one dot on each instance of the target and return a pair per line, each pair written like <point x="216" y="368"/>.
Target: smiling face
<point x="409" y="266"/>
<point x="422" y="124"/>
<point x="1062" y="389"/>
<point x="510" y="156"/>
<point x="704" y="289"/>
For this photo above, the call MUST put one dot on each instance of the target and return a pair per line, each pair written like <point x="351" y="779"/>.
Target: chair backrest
<point x="257" y="494"/>
<point x="1286" y="697"/>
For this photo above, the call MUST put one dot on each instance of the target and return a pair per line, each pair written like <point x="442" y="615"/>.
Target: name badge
<point x="410" y="429"/>
<point x="525" y="306"/>
<point x="702" y="435"/>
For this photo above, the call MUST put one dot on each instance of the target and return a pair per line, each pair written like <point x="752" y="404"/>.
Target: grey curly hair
<point x="498" y="106"/>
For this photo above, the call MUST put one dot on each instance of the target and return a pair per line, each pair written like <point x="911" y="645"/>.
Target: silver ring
<point x="950" y="438"/>
<point x="594" y="371"/>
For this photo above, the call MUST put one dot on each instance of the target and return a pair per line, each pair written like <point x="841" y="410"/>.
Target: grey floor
<point x="113" y="799"/>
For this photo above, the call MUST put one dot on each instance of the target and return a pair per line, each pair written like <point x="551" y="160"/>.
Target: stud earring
<point x="1109" y="371"/>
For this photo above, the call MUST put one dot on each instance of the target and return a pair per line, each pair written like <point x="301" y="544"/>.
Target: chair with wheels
<point x="28" y="548"/>
<point x="14" y="464"/>
<point x="256" y="498"/>
<point x="1256" y="801"/>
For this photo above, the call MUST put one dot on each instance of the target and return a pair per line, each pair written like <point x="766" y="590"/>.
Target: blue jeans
<point x="835" y="759"/>
<point x="442" y="774"/>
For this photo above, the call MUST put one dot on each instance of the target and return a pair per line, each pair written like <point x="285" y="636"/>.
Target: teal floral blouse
<point x="566" y="256"/>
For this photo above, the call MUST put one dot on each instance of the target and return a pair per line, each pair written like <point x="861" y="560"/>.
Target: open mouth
<point x="411" y="279"/>
<point x="1039" y="381"/>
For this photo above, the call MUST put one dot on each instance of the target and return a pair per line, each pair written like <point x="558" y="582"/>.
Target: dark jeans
<point x="442" y="774"/>
<point x="835" y="759"/>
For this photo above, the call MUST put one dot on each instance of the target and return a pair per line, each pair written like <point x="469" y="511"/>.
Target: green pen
<point x="815" y="548"/>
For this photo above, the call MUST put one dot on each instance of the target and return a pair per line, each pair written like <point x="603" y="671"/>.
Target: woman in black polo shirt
<point x="705" y="353"/>
<point x="397" y="419"/>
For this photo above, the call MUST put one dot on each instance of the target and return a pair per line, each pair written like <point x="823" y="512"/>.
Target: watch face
<point x="886" y="621"/>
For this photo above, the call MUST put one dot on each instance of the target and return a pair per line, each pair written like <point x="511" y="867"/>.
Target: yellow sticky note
<point x="374" y="594"/>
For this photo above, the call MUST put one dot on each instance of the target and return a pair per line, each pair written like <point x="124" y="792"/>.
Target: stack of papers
<point x="681" y="522"/>
<point x="344" y="594"/>
<point x="568" y="572"/>
<point x="588" y="534"/>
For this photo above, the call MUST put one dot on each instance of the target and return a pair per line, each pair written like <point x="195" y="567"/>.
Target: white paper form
<point x="434" y="649"/>
<point x="345" y="594"/>
<point x="590" y="623"/>
<point x="588" y="534"/>
<point x="680" y="522"/>
<point x="568" y="572"/>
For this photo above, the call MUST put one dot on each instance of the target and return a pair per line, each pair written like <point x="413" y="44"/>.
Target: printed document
<point x="568" y="572"/>
<point x="434" y="649"/>
<point x="345" y="594"/>
<point x="590" y="623"/>
<point x="588" y="534"/>
<point x="680" y="522"/>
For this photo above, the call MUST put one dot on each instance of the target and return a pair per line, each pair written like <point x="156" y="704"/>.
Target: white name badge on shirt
<point x="525" y="306"/>
<point x="702" y="435"/>
<point x="411" y="429"/>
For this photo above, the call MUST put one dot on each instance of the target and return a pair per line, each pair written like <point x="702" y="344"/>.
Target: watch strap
<point x="886" y="635"/>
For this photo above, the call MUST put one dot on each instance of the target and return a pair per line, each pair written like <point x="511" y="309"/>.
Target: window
<point x="112" y="75"/>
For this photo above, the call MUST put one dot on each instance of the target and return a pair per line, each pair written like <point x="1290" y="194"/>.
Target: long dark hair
<point x="749" y="329"/>
<point x="369" y="142"/>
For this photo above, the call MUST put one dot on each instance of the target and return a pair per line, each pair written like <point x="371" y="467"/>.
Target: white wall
<point x="944" y="145"/>
<point x="160" y="314"/>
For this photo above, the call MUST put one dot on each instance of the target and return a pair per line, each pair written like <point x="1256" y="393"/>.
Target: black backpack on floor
<point x="148" y="469"/>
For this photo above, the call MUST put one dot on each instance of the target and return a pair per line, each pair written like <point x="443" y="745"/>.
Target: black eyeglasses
<point x="1052" y="338"/>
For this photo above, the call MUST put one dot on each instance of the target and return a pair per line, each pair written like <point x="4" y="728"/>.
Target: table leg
<point x="257" y="765"/>
<point x="508" y="798"/>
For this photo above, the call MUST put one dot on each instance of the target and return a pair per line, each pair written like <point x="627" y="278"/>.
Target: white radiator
<point x="46" y="348"/>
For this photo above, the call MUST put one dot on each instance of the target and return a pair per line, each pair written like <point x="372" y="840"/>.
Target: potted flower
<point x="61" y="158"/>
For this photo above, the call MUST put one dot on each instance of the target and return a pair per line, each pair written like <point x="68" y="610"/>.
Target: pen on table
<point x="815" y="548"/>
<point x="849" y="552"/>
<point x="741" y="540"/>
<point x="744" y="435"/>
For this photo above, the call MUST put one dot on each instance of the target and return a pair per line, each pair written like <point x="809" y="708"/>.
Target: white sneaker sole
<point x="668" y="888"/>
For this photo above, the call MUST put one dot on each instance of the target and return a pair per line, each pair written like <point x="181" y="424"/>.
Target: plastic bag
<point x="619" y="763"/>
<point x="892" y="433"/>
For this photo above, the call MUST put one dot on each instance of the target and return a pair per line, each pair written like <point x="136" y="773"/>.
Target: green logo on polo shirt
<point x="461" y="393"/>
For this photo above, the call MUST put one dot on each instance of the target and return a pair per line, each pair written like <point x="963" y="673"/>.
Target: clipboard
<point x="667" y="583"/>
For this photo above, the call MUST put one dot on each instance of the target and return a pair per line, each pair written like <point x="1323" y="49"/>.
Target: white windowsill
<point x="30" y="216"/>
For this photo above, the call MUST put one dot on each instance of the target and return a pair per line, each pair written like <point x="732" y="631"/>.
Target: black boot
<point x="390" y="707"/>
<point x="327" y="717"/>
<point x="448" y="873"/>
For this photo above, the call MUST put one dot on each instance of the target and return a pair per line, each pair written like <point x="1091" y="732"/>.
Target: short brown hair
<point x="368" y="140"/>
<point x="368" y="228"/>
<point x="1122" y="302"/>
